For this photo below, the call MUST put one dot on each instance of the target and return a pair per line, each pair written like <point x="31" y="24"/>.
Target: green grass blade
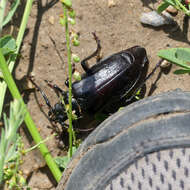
<point x="28" y="120"/>
<point x="162" y="7"/>
<point x="2" y="152"/>
<point x="3" y="4"/>
<point x="20" y="35"/>
<point x="14" y="91"/>
<point x="11" y="12"/>
<point x="171" y="2"/>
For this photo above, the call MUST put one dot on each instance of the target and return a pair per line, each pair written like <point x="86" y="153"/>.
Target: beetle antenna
<point x="42" y="93"/>
<point x="149" y="76"/>
<point x="153" y="71"/>
<point x="56" y="89"/>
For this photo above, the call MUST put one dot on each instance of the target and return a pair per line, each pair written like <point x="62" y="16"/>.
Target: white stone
<point x="154" y="19"/>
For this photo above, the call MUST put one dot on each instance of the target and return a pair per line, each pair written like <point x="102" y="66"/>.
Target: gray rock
<point x="154" y="19"/>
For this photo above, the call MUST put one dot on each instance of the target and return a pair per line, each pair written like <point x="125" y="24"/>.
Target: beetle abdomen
<point x="112" y="75"/>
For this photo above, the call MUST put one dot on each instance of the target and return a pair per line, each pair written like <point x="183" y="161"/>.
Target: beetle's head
<point x="139" y="54"/>
<point x="59" y="112"/>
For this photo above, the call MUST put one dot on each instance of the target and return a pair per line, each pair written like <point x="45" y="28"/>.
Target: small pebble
<point x="27" y="84"/>
<point x="172" y="10"/>
<point x="26" y="172"/>
<point x="154" y="19"/>
<point x="165" y="64"/>
<point x="51" y="20"/>
<point x="111" y="3"/>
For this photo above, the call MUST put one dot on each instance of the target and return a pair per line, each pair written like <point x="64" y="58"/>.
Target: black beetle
<point x="111" y="79"/>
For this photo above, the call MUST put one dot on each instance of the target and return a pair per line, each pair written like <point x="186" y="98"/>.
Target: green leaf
<point x="72" y="13"/>
<point x="183" y="54"/>
<point x="62" y="21"/>
<point x="11" y="153"/>
<point x="162" y="7"/>
<point x="9" y="136"/>
<point x="11" y="12"/>
<point x="170" y="55"/>
<point x="181" y="71"/>
<point x="67" y="3"/>
<point x="7" y="45"/>
<point x="62" y="161"/>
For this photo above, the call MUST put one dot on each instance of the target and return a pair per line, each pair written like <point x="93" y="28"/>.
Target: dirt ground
<point x="117" y="27"/>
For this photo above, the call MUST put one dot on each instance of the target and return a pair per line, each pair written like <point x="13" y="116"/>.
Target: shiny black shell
<point x="109" y="78"/>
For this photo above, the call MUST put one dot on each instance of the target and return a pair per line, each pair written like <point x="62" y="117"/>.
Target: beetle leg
<point x="141" y="85"/>
<point x="98" y="50"/>
<point x="42" y="93"/>
<point x="56" y="88"/>
<point x="131" y="88"/>
<point x="96" y="53"/>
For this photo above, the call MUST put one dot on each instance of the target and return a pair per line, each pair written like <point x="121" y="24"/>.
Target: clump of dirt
<point x="118" y="27"/>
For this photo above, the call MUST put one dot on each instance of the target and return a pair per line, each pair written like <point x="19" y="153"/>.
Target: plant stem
<point x="183" y="7"/>
<point x="70" y="79"/>
<point x="36" y="145"/>
<point x="3" y="85"/>
<point x="28" y="120"/>
<point x="2" y="13"/>
<point x="2" y="158"/>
